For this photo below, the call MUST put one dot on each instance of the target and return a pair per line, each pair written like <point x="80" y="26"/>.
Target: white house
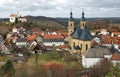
<point x="22" y="19"/>
<point x="94" y="55"/>
<point x="115" y="58"/>
<point x="14" y="30"/>
<point x="53" y="39"/>
<point x="104" y="32"/>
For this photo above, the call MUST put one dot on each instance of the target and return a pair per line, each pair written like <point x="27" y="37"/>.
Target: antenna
<point x="71" y="9"/>
<point x="82" y="9"/>
<point x="17" y="13"/>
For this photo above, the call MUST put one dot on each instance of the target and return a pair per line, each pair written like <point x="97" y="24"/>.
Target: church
<point x="79" y="38"/>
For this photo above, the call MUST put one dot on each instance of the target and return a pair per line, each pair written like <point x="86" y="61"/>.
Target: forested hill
<point x="61" y="23"/>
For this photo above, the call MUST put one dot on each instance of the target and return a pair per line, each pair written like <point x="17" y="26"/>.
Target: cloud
<point x="60" y="8"/>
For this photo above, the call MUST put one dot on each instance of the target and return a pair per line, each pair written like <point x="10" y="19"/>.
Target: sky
<point x="60" y="8"/>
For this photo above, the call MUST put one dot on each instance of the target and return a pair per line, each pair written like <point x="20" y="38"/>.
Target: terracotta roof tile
<point x="13" y="15"/>
<point x="53" y="36"/>
<point x="31" y="37"/>
<point x="116" y="32"/>
<point x="115" y="56"/>
<point x="62" y="47"/>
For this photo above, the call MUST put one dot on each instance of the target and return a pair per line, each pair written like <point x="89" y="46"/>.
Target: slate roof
<point x="97" y="52"/>
<point x="82" y="34"/>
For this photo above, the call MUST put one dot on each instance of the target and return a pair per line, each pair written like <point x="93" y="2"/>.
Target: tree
<point x="8" y="68"/>
<point x="114" y="71"/>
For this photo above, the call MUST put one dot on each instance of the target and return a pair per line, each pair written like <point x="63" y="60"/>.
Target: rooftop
<point x="53" y="36"/>
<point x="97" y="52"/>
<point x="13" y="15"/>
<point x="82" y="34"/>
<point x="115" y="56"/>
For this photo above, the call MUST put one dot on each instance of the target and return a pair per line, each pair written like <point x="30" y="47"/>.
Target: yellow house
<point x="79" y="38"/>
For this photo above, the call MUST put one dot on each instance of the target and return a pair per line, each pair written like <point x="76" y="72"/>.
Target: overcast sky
<point x="61" y="8"/>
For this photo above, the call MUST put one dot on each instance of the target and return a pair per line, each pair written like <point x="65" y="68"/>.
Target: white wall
<point x="108" y="56"/>
<point x="53" y="43"/>
<point x="115" y="62"/>
<point x="12" y="19"/>
<point x="21" y="43"/>
<point x="89" y="62"/>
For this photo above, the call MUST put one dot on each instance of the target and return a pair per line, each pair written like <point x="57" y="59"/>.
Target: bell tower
<point x="83" y="20"/>
<point x="70" y="24"/>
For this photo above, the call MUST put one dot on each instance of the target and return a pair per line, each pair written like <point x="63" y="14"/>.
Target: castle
<point x="15" y="17"/>
<point x="79" y="38"/>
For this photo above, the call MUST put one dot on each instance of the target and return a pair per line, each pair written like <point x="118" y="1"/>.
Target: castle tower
<point x="70" y="25"/>
<point x="83" y="21"/>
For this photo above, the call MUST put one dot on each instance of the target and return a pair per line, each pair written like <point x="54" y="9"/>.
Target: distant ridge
<point x="63" y="21"/>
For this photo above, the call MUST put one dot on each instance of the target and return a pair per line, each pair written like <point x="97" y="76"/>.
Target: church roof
<point x="82" y="34"/>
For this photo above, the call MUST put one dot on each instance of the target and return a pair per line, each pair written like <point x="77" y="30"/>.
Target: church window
<point x="71" y="25"/>
<point x="86" y="46"/>
<point x="81" y="46"/>
<point x="74" y="44"/>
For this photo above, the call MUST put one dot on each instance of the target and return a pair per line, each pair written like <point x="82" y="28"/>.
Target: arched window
<point x="74" y="44"/>
<point x="86" y="46"/>
<point x="71" y="24"/>
<point x="81" y="46"/>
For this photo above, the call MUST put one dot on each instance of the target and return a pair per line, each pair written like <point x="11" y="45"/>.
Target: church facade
<point x="79" y="38"/>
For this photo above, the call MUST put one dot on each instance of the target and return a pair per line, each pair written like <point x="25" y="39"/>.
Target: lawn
<point x="41" y="59"/>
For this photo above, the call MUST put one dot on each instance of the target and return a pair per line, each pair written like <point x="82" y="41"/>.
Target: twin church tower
<point x="79" y="38"/>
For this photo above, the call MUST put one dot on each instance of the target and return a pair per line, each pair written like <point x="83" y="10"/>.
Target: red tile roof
<point x="106" y="39"/>
<point x="64" y="33"/>
<point x="31" y="37"/>
<point x="52" y="36"/>
<point x="115" y="56"/>
<point x="116" y="33"/>
<point x="13" y="15"/>
<point x="62" y="47"/>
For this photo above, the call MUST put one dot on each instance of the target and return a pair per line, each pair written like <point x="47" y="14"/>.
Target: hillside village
<point x="88" y="47"/>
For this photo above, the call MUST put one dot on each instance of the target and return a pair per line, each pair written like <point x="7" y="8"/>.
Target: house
<point x="62" y="47"/>
<point x="53" y="40"/>
<point x="113" y="34"/>
<point x="21" y="42"/>
<point x="79" y="36"/>
<point x="115" y="59"/>
<point x="104" y="32"/>
<point x="1" y="40"/>
<point x="92" y="56"/>
<point x="32" y="37"/>
<point x="33" y="45"/>
<point x="108" y="41"/>
<point x="14" y="29"/>
<point x="39" y="39"/>
<point x="4" y="49"/>
<point x="22" y="19"/>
